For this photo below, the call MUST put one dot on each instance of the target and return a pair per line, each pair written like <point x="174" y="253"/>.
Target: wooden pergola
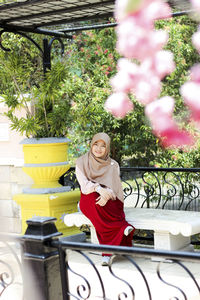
<point x="60" y="18"/>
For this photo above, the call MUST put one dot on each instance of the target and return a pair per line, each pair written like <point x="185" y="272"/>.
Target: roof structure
<point x="59" y="18"/>
<point x="44" y="16"/>
<point x="40" y="16"/>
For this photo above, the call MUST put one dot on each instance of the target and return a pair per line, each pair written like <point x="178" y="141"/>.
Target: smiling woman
<point x="102" y="194"/>
<point x="99" y="148"/>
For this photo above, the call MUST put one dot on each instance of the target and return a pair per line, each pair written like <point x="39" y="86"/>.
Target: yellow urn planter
<point x="45" y="161"/>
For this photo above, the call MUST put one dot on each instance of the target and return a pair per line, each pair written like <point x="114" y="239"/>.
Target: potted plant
<point x="45" y="125"/>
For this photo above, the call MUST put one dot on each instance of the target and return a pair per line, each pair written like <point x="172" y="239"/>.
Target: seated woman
<point x="102" y="194"/>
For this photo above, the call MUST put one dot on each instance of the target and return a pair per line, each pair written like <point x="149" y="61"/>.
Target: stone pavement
<point x="171" y="273"/>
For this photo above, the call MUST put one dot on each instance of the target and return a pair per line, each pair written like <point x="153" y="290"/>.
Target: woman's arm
<point x="86" y="186"/>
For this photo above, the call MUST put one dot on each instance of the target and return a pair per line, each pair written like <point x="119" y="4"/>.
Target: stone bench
<point x="172" y="228"/>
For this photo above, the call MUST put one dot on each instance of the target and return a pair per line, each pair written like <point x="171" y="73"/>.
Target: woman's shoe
<point x="128" y="230"/>
<point x="105" y="260"/>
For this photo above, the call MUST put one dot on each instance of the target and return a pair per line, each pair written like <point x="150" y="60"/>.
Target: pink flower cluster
<point x="196" y="5"/>
<point x="160" y="115"/>
<point x="143" y="67"/>
<point x="190" y="90"/>
<point x="196" y="40"/>
<point x="191" y="93"/>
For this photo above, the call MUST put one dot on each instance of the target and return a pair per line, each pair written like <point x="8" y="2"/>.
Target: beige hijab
<point x="105" y="170"/>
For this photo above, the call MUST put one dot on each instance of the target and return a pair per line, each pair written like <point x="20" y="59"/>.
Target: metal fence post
<point x="41" y="269"/>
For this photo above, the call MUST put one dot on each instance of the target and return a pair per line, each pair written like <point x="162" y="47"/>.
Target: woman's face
<point x="99" y="148"/>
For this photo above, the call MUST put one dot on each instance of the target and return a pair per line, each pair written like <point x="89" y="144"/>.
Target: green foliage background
<point x="23" y="85"/>
<point x="92" y="62"/>
<point x="78" y="86"/>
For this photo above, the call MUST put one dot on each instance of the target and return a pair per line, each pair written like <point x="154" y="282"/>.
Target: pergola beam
<point x="16" y="29"/>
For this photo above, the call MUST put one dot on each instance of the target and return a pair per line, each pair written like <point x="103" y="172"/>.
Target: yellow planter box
<point x="49" y="205"/>
<point x="45" y="153"/>
<point x="45" y="161"/>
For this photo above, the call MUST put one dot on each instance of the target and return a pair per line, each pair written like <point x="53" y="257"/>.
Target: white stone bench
<point x="172" y="228"/>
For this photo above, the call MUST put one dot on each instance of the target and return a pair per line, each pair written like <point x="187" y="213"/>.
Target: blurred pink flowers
<point x="196" y="5"/>
<point x="161" y="64"/>
<point x="191" y="92"/>
<point x="160" y="115"/>
<point x="132" y="36"/>
<point x="119" y="105"/>
<point x="126" y="77"/>
<point x="145" y="10"/>
<point x="137" y="39"/>
<point x="196" y="40"/>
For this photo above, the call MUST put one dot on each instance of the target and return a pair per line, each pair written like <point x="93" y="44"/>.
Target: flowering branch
<point x="144" y="66"/>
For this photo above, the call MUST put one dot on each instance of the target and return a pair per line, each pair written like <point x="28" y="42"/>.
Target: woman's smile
<point x="99" y="148"/>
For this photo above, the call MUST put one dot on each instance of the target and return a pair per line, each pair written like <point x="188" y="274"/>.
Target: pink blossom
<point x="168" y="131"/>
<point x="125" y="7"/>
<point x="195" y="73"/>
<point x="196" y="5"/>
<point x="191" y="94"/>
<point x="73" y="104"/>
<point x="119" y="105"/>
<point x="161" y="64"/>
<point x="160" y="113"/>
<point x="146" y="11"/>
<point x="138" y="42"/>
<point x="159" y="39"/>
<point x="157" y="10"/>
<point x="164" y="105"/>
<point x="125" y="79"/>
<point x="174" y="157"/>
<point x="157" y="166"/>
<point x="147" y="88"/>
<point x="150" y="9"/>
<point x="174" y="137"/>
<point x="141" y="82"/>
<point x="196" y="40"/>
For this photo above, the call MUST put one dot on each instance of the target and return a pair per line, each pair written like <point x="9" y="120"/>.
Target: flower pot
<point x="45" y="161"/>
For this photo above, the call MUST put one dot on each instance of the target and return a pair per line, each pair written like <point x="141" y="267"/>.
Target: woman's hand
<point x="106" y="194"/>
<point x="101" y="201"/>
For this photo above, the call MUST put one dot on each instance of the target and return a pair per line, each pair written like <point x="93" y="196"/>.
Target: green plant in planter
<point x="45" y="121"/>
<point x="45" y="103"/>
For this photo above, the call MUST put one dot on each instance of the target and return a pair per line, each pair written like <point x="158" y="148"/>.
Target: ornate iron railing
<point x="91" y="280"/>
<point x="10" y="267"/>
<point x="150" y="187"/>
<point x="65" y="269"/>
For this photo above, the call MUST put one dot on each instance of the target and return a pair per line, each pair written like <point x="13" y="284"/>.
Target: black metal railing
<point x="65" y="268"/>
<point x="11" y="277"/>
<point x="90" y="280"/>
<point x="150" y="187"/>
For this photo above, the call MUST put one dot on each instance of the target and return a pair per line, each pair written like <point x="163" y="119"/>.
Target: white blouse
<point x="86" y="185"/>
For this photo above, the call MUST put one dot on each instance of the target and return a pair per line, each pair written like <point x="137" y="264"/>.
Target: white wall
<point x="12" y="177"/>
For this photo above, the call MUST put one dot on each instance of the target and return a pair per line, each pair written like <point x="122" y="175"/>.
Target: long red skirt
<point x="109" y="220"/>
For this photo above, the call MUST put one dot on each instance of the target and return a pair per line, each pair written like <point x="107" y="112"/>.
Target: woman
<point x="102" y="194"/>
